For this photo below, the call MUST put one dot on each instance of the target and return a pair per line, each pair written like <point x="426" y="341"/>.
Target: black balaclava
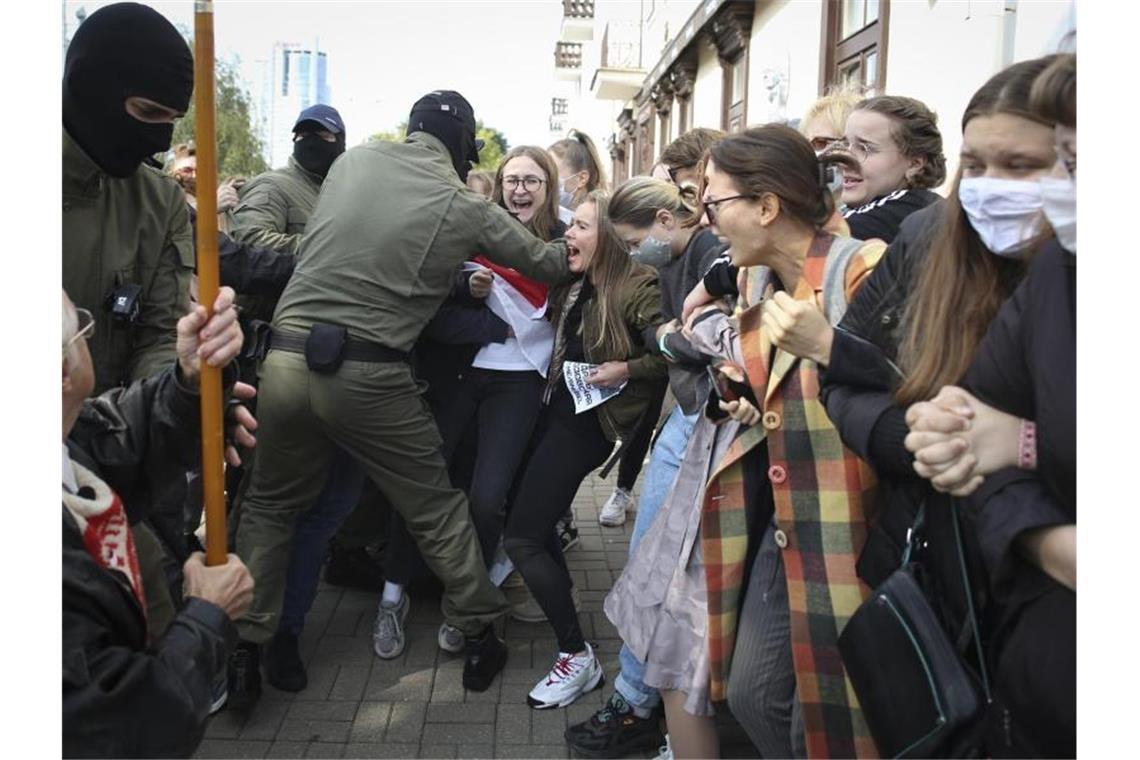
<point x="446" y="115"/>
<point x="312" y="152"/>
<point x="123" y="50"/>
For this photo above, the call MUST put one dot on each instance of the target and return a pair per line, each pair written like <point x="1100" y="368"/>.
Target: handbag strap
<point x="970" y="601"/>
<point x="912" y="537"/>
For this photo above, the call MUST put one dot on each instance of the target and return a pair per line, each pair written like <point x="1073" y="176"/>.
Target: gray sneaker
<point x="451" y="640"/>
<point x="388" y="631"/>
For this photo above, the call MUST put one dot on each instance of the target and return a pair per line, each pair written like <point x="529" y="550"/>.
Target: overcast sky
<point x="384" y="54"/>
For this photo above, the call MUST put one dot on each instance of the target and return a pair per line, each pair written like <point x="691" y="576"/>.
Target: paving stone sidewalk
<point x="359" y="706"/>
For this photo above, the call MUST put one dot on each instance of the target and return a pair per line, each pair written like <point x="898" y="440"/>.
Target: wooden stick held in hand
<point x="213" y="444"/>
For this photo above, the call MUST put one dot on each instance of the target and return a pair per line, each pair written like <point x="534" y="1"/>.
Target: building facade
<point x="294" y="78"/>
<point x="732" y="63"/>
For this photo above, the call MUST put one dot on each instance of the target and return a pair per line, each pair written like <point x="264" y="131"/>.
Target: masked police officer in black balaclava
<point x="448" y="116"/>
<point x="126" y="235"/>
<point x="127" y="253"/>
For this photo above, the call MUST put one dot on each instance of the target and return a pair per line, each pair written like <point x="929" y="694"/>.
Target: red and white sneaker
<point x="572" y="676"/>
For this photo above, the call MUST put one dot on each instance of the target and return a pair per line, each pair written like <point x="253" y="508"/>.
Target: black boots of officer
<point x="486" y="656"/>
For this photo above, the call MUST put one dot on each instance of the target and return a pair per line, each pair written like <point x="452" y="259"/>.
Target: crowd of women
<point x="867" y="379"/>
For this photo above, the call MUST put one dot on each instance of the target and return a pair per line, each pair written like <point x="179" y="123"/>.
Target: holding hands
<point x="957" y="440"/>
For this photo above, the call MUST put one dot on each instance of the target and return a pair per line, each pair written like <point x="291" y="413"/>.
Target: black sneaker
<point x="615" y="731"/>
<point x="567" y="534"/>
<point x="486" y="656"/>
<point x="244" y="676"/>
<point x="354" y="568"/>
<point x="283" y="667"/>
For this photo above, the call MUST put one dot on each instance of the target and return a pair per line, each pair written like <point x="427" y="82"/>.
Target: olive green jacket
<point x="274" y="207"/>
<point x="117" y="231"/>
<point x="391" y="228"/>
<point x="648" y="370"/>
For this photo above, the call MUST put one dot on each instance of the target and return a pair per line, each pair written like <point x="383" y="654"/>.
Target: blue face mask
<point x="652" y="252"/>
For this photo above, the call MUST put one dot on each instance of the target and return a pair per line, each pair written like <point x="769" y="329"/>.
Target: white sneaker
<point x="451" y="640"/>
<point x="665" y="751"/>
<point x="572" y="676"/>
<point x="388" y="631"/>
<point x="613" y="511"/>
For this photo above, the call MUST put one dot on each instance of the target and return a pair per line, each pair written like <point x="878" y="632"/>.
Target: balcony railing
<point x="568" y="55"/>
<point x="621" y="46"/>
<point x="578" y="8"/>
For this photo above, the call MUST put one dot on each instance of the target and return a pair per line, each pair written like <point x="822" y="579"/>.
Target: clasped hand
<point x="798" y="327"/>
<point x="957" y="440"/>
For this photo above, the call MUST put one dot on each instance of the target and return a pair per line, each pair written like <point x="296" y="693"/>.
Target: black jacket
<point x="121" y="699"/>
<point x="1026" y="366"/>
<point x="857" y="390"/>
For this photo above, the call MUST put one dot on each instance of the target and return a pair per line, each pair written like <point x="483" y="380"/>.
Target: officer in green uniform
<point x="274" y="207"/>
<point x="127" y="253"/>
<point x="393" y="224"/>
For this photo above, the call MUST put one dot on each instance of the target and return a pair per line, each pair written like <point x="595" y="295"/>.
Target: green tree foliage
<point x="239" y="149"/>
<point x="495" y="143"/>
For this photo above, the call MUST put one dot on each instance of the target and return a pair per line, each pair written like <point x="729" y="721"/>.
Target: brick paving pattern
<point x="359" y="706"/>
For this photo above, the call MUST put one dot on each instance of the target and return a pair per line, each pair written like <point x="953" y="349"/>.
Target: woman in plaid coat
<point x="786" y="510"/>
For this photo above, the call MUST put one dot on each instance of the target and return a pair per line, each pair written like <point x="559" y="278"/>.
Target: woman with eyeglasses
<point x="486" y="396"/>
<point x="916" y="327"/>
<point x="897" y="152"/>
<point x="786" y="509"/>
<point x="606" y="317"/>
<point x="898" y="146"/>
<point x="501" y="393"/>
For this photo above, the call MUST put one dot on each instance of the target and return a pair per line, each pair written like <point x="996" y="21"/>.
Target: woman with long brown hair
<point x="606" y="317"/>
<point x="1008" y="436"/>
<point x="918" y="323"/>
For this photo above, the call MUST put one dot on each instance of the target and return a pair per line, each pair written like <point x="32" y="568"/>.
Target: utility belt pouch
<point x="256" y="342"/>
<point x="324" y="349"/>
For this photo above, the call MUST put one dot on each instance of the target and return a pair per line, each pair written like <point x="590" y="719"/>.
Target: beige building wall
<point x="942" y="53"/>
<point x="785" y="42"/>
<point x="707" y="90"/>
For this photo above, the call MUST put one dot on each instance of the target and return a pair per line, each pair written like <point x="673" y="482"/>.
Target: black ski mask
<point x="314" y="153"/>
<point x="123" y="50"/>
<point x="446" y="115"/>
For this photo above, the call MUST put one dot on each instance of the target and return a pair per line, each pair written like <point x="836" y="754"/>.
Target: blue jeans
<point x="314" y="528"/>
<point x="663" y="466"/>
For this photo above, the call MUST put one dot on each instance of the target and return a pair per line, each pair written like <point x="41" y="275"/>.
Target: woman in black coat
<point x="1019" y="446"/>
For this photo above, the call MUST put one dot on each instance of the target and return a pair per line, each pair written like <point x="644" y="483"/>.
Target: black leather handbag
<point x="918" y="694"/>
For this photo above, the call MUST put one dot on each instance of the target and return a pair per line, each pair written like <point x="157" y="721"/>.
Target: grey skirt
<point x="659" y="605"/>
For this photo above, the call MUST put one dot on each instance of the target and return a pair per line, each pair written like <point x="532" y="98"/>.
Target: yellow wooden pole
<point x="213" y="443"/>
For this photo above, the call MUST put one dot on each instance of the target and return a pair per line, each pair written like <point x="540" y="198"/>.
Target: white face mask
<point x="1005" y="213"/>
<point x="1059" y="201"/>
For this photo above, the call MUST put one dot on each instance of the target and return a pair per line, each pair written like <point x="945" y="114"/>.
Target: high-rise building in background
<point x="294" y="78"/>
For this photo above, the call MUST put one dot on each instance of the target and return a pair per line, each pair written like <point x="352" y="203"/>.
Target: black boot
<point x="486" y="656"/>
<point x="244" y="676"/>
<point x="283" y="667"/>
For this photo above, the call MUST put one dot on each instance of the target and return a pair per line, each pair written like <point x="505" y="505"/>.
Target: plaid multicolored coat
<point x="824" y="497"/>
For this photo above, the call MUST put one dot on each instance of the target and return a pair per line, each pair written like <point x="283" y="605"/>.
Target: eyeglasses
<point x="530" y="184"/>
<point x="859" y="149"/>
<point x="822" y="143"/>
<point x="710" y="205"/>
<point x="86" y="327"/>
